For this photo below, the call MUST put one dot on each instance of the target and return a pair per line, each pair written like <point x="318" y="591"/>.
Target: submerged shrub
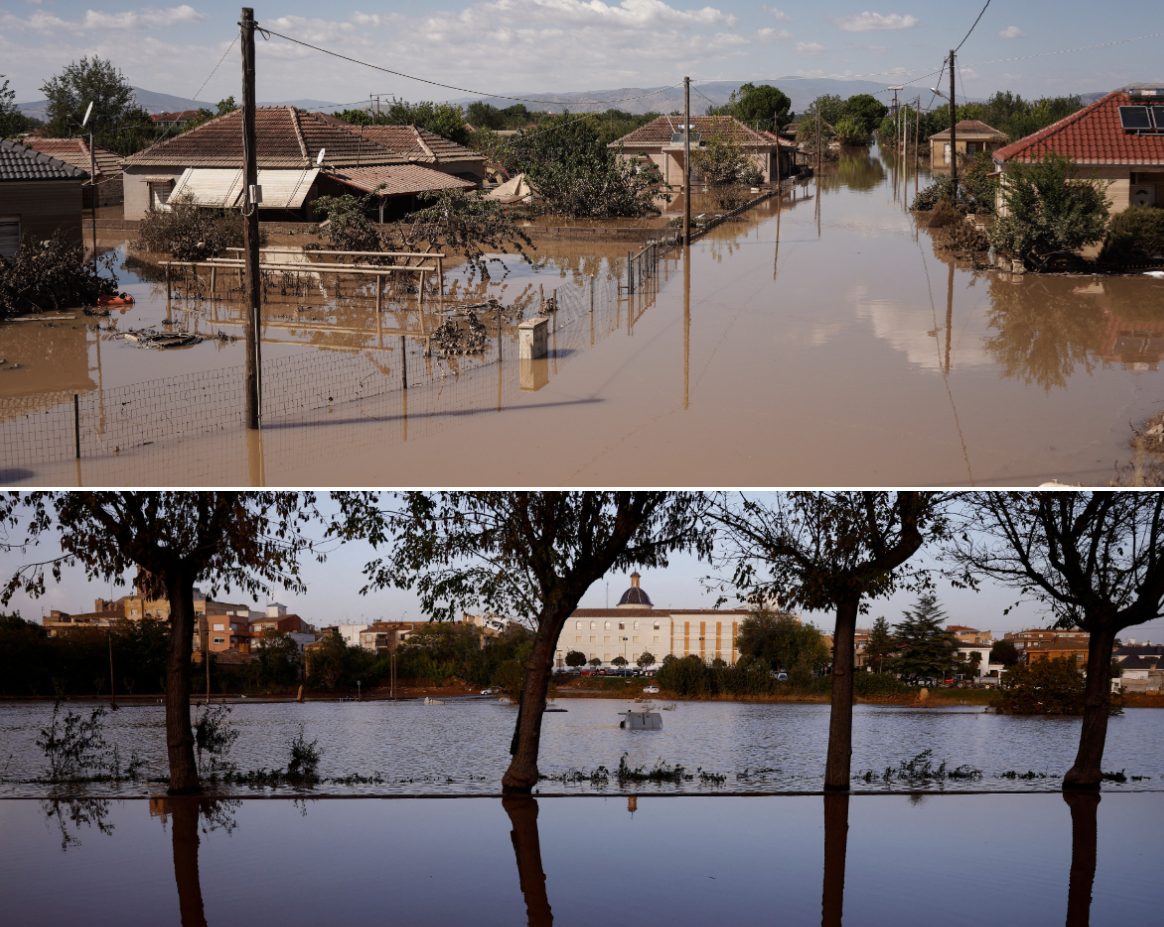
<point x="1135" y="236"/>
<point x="51" y="275"/>
<point x="213" y="738"/>
<point x="189" y="232"/>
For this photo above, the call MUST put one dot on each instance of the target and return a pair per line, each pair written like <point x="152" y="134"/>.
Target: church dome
<point x="635" y="596"/>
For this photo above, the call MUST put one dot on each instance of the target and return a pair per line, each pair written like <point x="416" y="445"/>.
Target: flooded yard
<point x="869" y="860"/>
<point x="815" y="341"/>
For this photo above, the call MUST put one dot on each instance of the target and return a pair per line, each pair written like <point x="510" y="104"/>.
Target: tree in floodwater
<point x="836" y="551"/>
<point x="528" y="554"/>
<point x="1095" y="559"/>
<point x="251" y="541"/>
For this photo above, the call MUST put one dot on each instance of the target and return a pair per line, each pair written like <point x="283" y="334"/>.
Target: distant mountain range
<point x="800" y="90"/>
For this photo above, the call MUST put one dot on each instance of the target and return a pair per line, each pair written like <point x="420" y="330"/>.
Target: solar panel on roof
<point x="1135" y="118"/>
<point x="1157" y="117"/>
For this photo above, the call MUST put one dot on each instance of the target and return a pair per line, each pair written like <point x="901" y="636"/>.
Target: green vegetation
<point x="1045" y="687"/>
<point x="76" y="750"/>
<point x="12" y="120"/>
<point x="925" y="648"/>
<point x="920" y="770"/>
<point x="977" y="189"/>
<point x="1134" y="236"/>
<point x="117" y="122"/>
<point x="50" y="275"/>
<point x="727" y="169"/>
<point x="188" y="232"/>
<point x="575" y="174"/>
<point x="782" y="643"/>
<point x="1049" y="211"/>
<point x="760" y="106"/>
<point x="444" y="119"/>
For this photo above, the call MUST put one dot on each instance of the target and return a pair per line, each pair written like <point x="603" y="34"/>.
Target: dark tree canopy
<point x="760" y="106"/>
<point x="926" y="649"/>
<point x="250" y="541"/>
<point x="91" y="80"/>
<point x="1094" y="559"/>
<point x="781" y="641"/>
<point x="530" y="555"/>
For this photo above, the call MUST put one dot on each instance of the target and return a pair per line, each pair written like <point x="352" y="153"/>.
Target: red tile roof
<point x="75" y="151"/>
<point x="658" y="132"/>
<point x="1092" y="135"/>
<point x="399" y="179"/>
<point x="287" y="137"/>
<point x="415" y="143"/>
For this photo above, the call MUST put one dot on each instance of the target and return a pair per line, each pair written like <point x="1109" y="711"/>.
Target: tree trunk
<point x="841" y="718"/>
<point x="522" y="774"/>
<point x="527" y="849"/>
<point x="1084" y="835"/>
<point x="1086" y="773"/>
<point x="185" y="844"/>
<point x="836" y="845"/>
<point x="179" y="737"/>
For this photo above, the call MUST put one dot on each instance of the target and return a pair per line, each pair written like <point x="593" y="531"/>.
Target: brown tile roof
<point x="287" y="137"/>
<point x="620" y="613"/>
<point x="415" y="144"/>
<point x="75" y="151"/>
<point x="1091" y="135"/>
<point x="658" y="132"/>
<point x="975" y="128"/>
<point x="399" y="179"/>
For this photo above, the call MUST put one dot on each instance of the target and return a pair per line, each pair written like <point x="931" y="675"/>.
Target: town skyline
<point x="548" y="46"/>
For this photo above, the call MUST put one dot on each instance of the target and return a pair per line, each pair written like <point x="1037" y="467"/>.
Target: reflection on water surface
<point x="1031" y="859"/>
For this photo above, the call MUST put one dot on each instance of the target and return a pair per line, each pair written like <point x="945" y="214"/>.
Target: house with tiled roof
<point x="420" y="146"/>
<point x="661" y="141"/>
<point x="39" y="195"/>
<point x="301" y="155"/>
<point x="973" y="136"/>
<point x="103" y="188"/>
<point x="1118" y="139"/>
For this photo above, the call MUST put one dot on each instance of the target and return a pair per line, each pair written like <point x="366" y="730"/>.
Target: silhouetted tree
<point x="1096" y="559"/>
<point x="836" y="551"/>
<point x="223" y="540"/>
<point x="531" y="554"/>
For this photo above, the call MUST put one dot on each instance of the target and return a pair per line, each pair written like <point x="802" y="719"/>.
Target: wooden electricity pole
<point x="686" y="160"/>
<point x="953" y="133"/>
<point x="251" y="222"/>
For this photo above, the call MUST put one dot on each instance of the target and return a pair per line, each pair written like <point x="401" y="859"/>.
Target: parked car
<point x="650" y="690"/>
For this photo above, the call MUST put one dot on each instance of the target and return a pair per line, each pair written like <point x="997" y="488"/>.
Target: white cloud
<point x="809" y="48"/>
<point x="1012" y="32"/>
<point x="778" y="15"/>
<point x="769" y="33"/>
<point x="147" y="18"/>
<point x="870" y="22"/>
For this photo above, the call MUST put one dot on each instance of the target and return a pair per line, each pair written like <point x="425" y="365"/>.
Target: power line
<point x="267" y="33"/>
<point x="981" y="13"/>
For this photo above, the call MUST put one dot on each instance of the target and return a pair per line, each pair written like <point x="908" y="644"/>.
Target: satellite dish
<point x="88" y="113"/>
<point x="319" y="157"/>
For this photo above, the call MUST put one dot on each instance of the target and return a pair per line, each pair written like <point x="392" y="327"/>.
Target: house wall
<point x="44" y="207"/>
<point x="135" y="187"/>
<point x="967" y="149"/>
<point x="707" y="636"/>
<point x="670" y="163"/>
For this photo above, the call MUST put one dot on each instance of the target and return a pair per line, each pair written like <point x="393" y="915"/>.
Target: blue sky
<point x="1035" y="47"/>
<point x="333" y="594"/>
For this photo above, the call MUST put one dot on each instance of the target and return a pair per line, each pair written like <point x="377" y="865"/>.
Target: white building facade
<point x="635" y="627"/>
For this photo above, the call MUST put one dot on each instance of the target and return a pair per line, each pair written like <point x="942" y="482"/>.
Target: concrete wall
<point x="44" y="207"/>
<point x="135" y="187"/>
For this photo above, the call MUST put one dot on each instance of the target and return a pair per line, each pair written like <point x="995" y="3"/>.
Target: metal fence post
<point x="77" y="425"/>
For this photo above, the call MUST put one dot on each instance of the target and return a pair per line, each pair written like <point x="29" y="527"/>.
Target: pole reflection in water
<point x="1084" y="835"/>
<point x="836" y="844"/>
<point x="527" y="850"/>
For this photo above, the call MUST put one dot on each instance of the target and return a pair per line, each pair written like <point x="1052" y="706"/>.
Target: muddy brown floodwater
<point x="817" y="342"/>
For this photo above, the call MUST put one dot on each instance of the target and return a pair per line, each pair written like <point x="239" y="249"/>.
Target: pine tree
<point x="927" y="649"/>
<point x="881" y="647"/>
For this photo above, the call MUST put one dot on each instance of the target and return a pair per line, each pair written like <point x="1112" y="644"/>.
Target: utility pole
<point x="251" y="197"/>
<point x="953" y="133"/>
<point x="686" y="160"/>
<point x="93" y="191"/>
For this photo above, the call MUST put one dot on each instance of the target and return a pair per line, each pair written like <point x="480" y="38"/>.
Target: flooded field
<point x="815" y="341"/>
<point x="461" y="746"/>
<point x="866" y="860"/>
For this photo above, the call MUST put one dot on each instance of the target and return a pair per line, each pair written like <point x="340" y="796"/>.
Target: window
<point x="621" y="626"/>
<point x="577" y="625"/>
<point x="636" y="625"/>
<point x="606" y="625"/>
<point x="159" y="193"/>
<point x="219" y="626"/>
<point x="592" y="625"/>
<point x="220" y="640"/>
<point x="9" y="235"/>
<point x="656" y="626"/>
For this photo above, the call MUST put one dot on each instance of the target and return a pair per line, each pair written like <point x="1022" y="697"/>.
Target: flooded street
<point x="820" y="342"/>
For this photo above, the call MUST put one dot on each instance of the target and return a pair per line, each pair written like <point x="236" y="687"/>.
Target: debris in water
<point x="152" y="338"/>
<point x="460" y="336"/>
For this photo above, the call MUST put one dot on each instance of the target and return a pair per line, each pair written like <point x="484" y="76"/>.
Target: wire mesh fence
<point x="403" y="378"/>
